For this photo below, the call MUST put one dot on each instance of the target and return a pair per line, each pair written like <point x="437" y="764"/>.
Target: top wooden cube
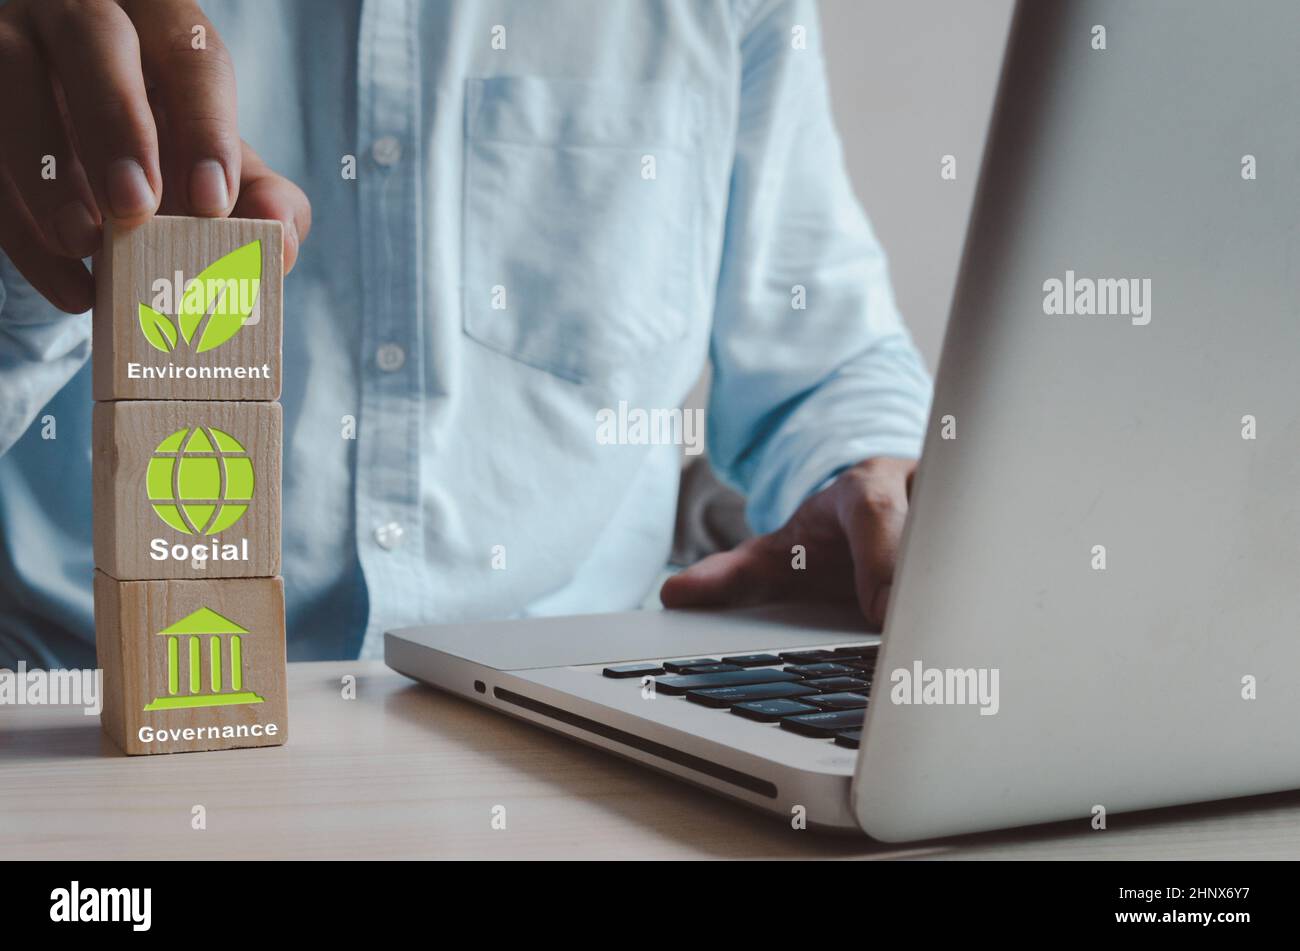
<point x="189" y="309"/>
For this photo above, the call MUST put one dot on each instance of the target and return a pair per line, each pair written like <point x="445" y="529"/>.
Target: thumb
<point x="729" y="577"/>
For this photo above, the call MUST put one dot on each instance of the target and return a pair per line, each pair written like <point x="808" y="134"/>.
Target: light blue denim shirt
<point x="558" y="206"/>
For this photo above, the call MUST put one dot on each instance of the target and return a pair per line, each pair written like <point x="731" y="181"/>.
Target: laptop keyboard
<point x="822" y="694"/>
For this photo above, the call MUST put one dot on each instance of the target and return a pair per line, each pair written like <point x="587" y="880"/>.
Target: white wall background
<point x="912" y="81"/>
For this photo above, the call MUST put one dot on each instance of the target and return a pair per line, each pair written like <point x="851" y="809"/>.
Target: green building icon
<point x="224" y="639"/>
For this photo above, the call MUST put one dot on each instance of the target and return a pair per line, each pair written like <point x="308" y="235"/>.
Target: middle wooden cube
<point x="187" y="489"/>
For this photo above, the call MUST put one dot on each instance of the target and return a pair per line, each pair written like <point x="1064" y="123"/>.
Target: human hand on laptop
<point x="119" y="109"/>
<point x="849" y="533"/>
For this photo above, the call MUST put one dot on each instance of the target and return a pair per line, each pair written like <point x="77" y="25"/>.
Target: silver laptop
<point x="1098" y="604"/>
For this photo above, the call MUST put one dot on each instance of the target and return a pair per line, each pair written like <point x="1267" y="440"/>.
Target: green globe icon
<point x="200" y="480"/>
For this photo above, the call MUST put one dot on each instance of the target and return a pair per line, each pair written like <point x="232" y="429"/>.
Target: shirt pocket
<point x="579" y="221"/>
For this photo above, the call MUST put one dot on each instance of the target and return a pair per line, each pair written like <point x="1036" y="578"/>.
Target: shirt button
<point x="390" y="357"/>
<point x="389" y="535"/>
<point x="387" y="150"/>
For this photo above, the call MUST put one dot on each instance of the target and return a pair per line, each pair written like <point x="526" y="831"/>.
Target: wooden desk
<point x="405" y="772"/>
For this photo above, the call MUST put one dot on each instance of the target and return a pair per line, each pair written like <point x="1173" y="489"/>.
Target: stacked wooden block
<point x="189" y="605"/>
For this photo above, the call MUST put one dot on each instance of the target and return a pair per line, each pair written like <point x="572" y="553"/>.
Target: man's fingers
<point x="93" y="49"/>
<point x="264" y="194"/>
<point x="842" y="542"/>
<point x="185" y="60"/>
<point x="739" y="576"/>
<point x="37" y="152"/>
<point x="872" y="512"/>
<point x="63" y="281"/>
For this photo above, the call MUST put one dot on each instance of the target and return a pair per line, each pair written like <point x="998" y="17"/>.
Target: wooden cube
<point x="189" y="309"/>
<point x="191" y="665"/>
<point x="186" y="489"/>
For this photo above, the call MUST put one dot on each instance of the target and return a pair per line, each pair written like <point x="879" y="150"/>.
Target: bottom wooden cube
<point x="192" y="665"/>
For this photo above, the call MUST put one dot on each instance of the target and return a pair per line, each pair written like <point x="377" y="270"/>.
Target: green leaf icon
<point x="218" y="302"/>
<point x="158" y="330"/>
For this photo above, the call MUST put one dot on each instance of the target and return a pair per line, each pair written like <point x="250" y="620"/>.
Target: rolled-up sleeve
<point x="813" y="369"/>
<point x="40" y="349"/>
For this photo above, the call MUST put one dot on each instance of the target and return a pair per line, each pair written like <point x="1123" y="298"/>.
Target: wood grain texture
<point x="126" y="271"/>
<point x="126" y="439"/>
<point x="405" y="772"/>
<point x="154" y="680"/>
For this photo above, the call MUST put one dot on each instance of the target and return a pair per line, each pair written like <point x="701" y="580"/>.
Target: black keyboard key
<point x="821" y="670"/>
<point x="684" y="666"/>
<point x="721" y="697"/>
<point x="850" y="738"/>
<point x="864" y="650"/>
<point x="767" y="711"/>
<point x="674" y="685"/>
<point x="822" y="724"/>
<point x="620" y="671"/>
<point x="837" y="684"/>
<point x="805" y="657"/>
<point x="838" y="701"/>
<point x="704" y="669"/>
<point x="753" y="660"/>
<point x="867" y="664"/>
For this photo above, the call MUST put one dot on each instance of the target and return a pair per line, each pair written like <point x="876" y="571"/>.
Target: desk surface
<point x="403" y="771"/>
